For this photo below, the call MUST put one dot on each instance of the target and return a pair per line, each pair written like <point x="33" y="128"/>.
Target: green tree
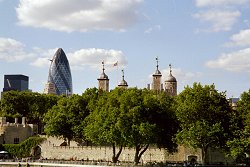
<point x="63" y="119"/>
<point x="165" y="118"/>
<point x="15" y="104"/>
<point x="204" y="115"/>
<point x="90" y="97"/>
<point x="240" y="144"/>
<point x="143" y="114"/>
<point x="27" y="104"/>
<point x="101" y="125"/>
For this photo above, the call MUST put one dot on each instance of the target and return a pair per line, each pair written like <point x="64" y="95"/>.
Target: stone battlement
<point x="14" y="133"/>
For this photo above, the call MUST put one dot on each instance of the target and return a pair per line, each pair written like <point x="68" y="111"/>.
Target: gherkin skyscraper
<point x="60" y="74"/>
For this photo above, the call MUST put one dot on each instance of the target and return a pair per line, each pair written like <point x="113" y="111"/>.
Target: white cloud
<point x="221" y="14"/>
<point x="182" y="77"/>
<point x="43" y="57"/>
<point x="75" y="15"/>
<point x="151" y="29"/>
<point x="240" y="39"/>
<point x="12" y="50"/>
<point x="236" y="61"/>
<point x="93" y="57"/>
<point x="220" y="20"/>
<point x="41" y="62"/>
<point x="209" y="3"/>
<point x="247" y="22"/>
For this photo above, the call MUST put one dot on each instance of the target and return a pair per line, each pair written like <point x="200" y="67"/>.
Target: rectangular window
<point x="16" y="140"/>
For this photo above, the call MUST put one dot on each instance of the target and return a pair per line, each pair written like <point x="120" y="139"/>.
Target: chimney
<point x="16" y="120"/>
<point x="3" y="120"/>
<point x="23" y="120"/>
<point x="148" y="87"/>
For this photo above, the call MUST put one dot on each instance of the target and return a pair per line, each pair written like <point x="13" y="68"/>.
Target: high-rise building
<point x="59" y="79"/>
<point x="16" y="82"/>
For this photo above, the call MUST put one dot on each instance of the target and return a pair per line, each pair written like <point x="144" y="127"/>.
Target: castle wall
<point x="19" y="132"/>
<point x="13" y="133"/>
<point x="51" y="150"/>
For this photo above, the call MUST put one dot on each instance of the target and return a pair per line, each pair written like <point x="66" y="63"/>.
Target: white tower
<point x="123" y="83"/>
<point x="171" y="83"/>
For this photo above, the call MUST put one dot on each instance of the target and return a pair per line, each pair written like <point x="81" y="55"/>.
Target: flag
<point x="115" y="64"/>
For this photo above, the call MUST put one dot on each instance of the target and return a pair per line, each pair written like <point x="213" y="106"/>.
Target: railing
<point x="64" y="163"/>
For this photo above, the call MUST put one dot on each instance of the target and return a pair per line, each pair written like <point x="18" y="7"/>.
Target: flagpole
<point x="116" y="64"/>
<point x="117" y="70"/>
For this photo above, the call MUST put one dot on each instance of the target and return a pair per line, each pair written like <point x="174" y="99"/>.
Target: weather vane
<point x="170" y="67"/>
<point x="157" y="62"/>
<point x="103" y="66"/>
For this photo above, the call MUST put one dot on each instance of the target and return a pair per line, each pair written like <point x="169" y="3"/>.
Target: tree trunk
<point x="136" y="158"/>
<point x="115" y="156"/>
<point x="138" y="154"/>
<point x="204" y="155"/>
<point x="68" y="142"/>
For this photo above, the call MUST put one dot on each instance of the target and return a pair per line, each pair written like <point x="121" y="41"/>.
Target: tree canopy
<point x="134" y="118"/>
<point x="66" y="119"/>
<point x="240" y="143"/>
<point x="204" y="115"/>
<point x="27" y="104"/>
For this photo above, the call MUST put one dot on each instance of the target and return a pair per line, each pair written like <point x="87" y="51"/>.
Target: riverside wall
<point x="94" y="153"/>
<point x="51" y="149"/>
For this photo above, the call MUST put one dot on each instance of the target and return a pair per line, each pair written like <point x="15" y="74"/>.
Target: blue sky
<point x="206" y="41"/>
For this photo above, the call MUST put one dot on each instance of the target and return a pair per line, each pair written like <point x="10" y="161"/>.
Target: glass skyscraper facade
<point x="16" y="82"/>
<point x="60" y="74"/>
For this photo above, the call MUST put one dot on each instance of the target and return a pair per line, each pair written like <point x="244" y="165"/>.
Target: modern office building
<point x="59" y="75"/>
<point x="16" y="82"/>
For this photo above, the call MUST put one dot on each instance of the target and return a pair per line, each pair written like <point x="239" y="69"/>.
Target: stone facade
<point x="170" y="84"/>
<point x="51" y="149"/>
<point x="103" y="80"/>
<point x="171" y="88"/>
<point x="156" y="84"/>
<point x="50" y="88"/>
<point x="14" y="133"/>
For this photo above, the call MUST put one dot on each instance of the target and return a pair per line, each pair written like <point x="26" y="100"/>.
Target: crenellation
<point x="14" y="133"/>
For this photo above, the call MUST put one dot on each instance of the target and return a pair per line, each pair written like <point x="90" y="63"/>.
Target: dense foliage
<point x="66" y="119"/>
<point x="134" y="118"/>
<point x="23" y="149"/>
<point x="33" y="106"/>
<point x="240" y="143"/>
<point x="205" y="118"/>
<point x="199" y="117"/>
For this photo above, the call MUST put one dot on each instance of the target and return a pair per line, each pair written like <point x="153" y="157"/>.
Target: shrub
<point x="23" y="149"/>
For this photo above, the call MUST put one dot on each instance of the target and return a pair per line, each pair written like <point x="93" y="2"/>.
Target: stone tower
<point x="50" y="88"/>
<point x="171" y="83"/>
<point x="103" y="81"/>
<point x="156" y="84"/>
<point x="123" y="83"/>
